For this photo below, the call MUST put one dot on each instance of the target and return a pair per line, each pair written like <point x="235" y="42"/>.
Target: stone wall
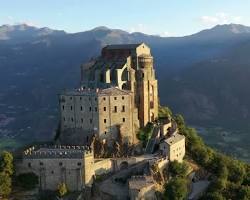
<point x="51" y="172"/>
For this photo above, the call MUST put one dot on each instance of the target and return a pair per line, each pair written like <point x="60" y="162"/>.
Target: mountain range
<point x="204" y="76"/>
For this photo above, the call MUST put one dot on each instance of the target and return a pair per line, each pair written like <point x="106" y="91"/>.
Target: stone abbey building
<point x="118" y="95"/>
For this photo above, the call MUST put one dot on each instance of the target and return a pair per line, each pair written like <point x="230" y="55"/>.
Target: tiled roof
<point x="174" y="138"/>
<point x="113" y="91"/>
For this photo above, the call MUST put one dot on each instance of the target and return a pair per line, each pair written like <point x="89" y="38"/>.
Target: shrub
<point x="176" y="189"/>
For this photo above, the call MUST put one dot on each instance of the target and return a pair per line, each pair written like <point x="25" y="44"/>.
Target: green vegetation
<point x="145" y="133"/>
<point x="27" y="180"/>
<point x="6" y="172"/>
<point x="176" y="189"/>
<point x="230" y="177"/>
<point x="177" y="169"/>
<point x="164" y="112"/>
<point x="62" y="189"/>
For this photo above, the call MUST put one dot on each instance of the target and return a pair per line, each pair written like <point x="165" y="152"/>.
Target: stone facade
<point x="102" y="112"/>
<point x="174" y="147"/>
<point x="123" y="75"/>
<point x="73" y="165"/>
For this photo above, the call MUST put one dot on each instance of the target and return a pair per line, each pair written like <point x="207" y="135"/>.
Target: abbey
<point x="118" y="95"/>
<point x="97" y="134"/>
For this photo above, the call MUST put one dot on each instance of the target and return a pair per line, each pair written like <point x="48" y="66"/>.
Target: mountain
<point x="204" y="75"/>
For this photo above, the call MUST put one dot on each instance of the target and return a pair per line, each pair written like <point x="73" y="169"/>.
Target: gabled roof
<point x="113" y="91"/>
<point x="174" y="139"/>
<point x="122" y="46"/>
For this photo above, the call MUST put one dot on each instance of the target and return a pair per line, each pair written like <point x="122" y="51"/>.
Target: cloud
<point x="220" y="18"/>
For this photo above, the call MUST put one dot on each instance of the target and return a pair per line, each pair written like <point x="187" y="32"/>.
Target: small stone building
<point x="174" y="147"/>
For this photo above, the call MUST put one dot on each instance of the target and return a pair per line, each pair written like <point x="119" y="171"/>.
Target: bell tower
<point x="147" y="90"/>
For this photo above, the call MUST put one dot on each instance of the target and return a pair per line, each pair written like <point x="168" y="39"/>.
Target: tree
<point x="6" y="163"/>
<point x="244" y="193"/>
<point x="178" y="169"/>
<point x="5" y="185"/>
<point x="145" y="133"/>
<point x="164" y="112"/>
<point x="213" y="196"/>
<point x="6" y="171"/>
<point x="176" y="189"/>
<point x="236" y="172"/>
<point x="62" y="189"/>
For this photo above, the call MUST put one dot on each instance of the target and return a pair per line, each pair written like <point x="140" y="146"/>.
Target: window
<point x="79" y="164"/>
<point x="123" y="108"/>
<point x="95" y="99"/>
<point x="64" y="119"/>
<point x="115" y="98"/>
<point x="104" y="108"/>
<point x="142" y="75"/>
<point x="104" y="98"/>
<point x="60" y="164"/>
<point x="29" y="165"/>
<point x="81" y="108"/>
<point x="89" y="99"/>
<point x="80" y="98"/>
<point x="90" y="121"/>
<point x="70" y="98"/>
<point x="63" y="107"/>
<point x="105" y="132"/>
<point x="115" y="109"/>
<point x="96" y="109"/>
<point x="122" y="97"/>
<point x="123" y="119"/>
<point x="71" y="108"/>
<point x="41" y="164"/>
<point x="72" y="119"/>
<point x="105" y="121"/>
<point x="89" y="109"/>
<point x="82" y="120"/>
<point x="52" y="172"/>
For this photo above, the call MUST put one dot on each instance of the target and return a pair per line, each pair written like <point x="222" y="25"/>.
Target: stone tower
<point x="146" y="90"/>
<point x="128" y="67"/>
<point x="118" y="89"/>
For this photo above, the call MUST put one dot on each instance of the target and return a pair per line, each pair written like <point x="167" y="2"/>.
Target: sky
<point x="157" y="17"/>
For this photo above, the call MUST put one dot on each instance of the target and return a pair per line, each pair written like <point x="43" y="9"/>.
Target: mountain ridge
<point x="35" y="67"/>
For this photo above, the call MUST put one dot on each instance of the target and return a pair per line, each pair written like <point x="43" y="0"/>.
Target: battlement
<point x="57" y="151"/>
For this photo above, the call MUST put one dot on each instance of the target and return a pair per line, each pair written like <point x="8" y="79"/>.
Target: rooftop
<point x="174" y="139"/>
<point x="122" y="46"/>
<point x="56" y="151"/>
<point x="98" y="91"/>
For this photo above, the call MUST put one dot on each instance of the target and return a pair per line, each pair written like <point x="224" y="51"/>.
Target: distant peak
<point x="101" y="28"/>
<point x="233" y="28"/>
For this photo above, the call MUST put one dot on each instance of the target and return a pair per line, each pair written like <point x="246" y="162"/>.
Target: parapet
<point x="57" y="151"/>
